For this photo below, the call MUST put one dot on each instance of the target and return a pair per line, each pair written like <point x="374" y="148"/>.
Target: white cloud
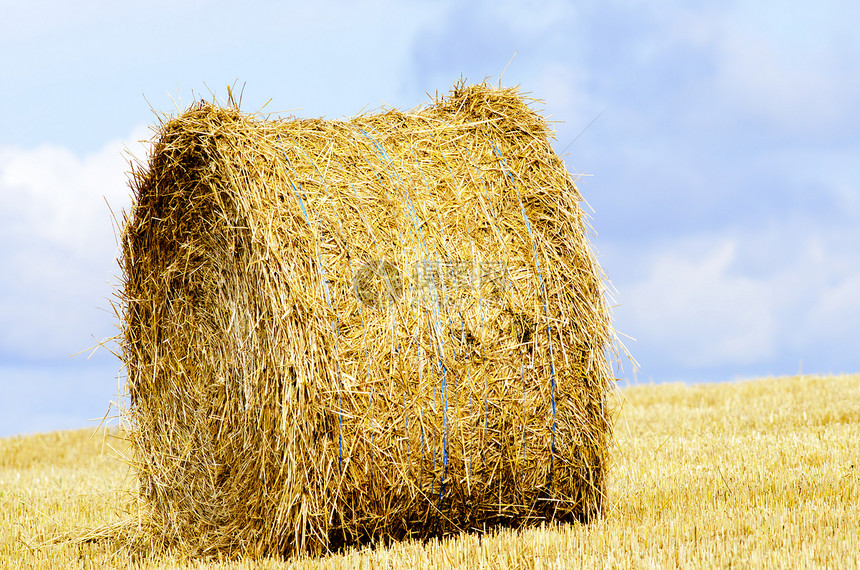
<point x="743" y="298"/>
<point x="46" y="397"/>
<point x="794" y="67"/>
<point x="835" y="314"/>
<point x="58" y="245"/>
<point x="699" y="312"/>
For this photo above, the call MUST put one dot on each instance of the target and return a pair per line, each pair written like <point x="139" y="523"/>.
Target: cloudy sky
<point x="718" y="144"/>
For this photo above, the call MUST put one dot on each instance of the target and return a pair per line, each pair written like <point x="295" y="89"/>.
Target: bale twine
<point x="338" y="331"/>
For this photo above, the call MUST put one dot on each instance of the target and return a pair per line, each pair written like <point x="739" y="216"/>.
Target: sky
<point x="717" y="145"/>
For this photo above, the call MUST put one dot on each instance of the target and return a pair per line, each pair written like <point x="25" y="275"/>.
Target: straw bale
<point x="337" y="331"/>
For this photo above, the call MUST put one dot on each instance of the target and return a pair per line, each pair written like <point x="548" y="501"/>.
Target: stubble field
<point x="762" y="473"/>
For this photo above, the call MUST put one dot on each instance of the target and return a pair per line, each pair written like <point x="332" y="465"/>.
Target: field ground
<point x="762" y="473"/>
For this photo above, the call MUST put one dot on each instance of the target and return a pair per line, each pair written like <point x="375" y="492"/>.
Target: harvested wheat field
<point x="339" y="331"/>
<point x="761" y="474"/>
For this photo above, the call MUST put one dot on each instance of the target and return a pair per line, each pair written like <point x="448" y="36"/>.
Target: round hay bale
<point x="373" y="328"/>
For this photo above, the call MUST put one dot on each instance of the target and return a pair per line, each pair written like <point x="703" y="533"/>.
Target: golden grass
<point x="759" y="474"/>
<point x="387" y="326"/>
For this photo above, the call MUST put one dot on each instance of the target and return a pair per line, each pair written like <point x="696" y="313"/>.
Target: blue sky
<point x="723" y="166"/>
